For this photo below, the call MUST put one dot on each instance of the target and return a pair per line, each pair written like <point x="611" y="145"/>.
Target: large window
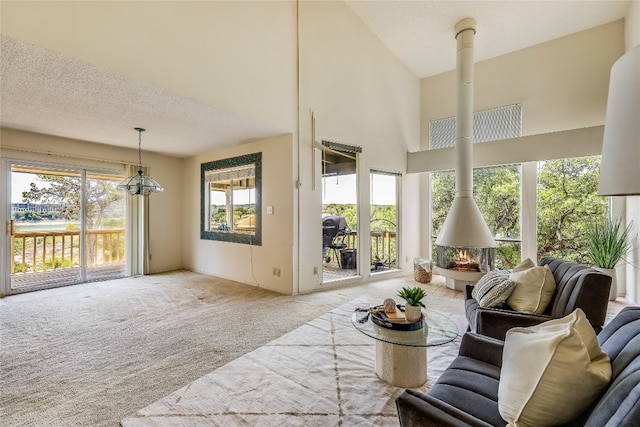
<point x="567" y="203"/>
<point x="497" y="191"/>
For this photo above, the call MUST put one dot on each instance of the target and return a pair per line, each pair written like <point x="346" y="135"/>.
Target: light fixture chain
<point x="139" y="148"/>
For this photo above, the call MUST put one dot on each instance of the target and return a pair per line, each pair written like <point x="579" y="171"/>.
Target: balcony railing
<point x="383" y="246"/>
<point x="36" y="251"/>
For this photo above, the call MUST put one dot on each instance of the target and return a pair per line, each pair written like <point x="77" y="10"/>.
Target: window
<point x="488" y="125"/>
<point x="383" y="228"/>
<point x="497" y="191"/>
<point x="230" y="193"/>
<point x="567" y="202"/>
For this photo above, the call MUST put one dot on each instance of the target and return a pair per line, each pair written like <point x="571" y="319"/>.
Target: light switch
<point x="269" y="210"/>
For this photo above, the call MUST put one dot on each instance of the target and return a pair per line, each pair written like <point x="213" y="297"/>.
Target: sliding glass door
<point x="66" y="226"/>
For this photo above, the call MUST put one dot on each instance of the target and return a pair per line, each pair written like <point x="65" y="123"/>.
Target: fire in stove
<point x="465" y="259"/>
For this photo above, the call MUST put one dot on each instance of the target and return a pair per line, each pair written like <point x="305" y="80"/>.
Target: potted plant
<point x="608" y="243"/>
<point x="413" y="297"/>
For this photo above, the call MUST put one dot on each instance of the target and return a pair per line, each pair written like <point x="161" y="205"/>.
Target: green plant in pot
<point x="413" y="297"/>
<point x="608" y="243"/>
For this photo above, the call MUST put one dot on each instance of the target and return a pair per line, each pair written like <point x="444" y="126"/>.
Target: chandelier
<point x="140" y="185"/>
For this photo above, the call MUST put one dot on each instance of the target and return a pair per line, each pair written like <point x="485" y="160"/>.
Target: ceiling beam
<point x="546" y="146"/>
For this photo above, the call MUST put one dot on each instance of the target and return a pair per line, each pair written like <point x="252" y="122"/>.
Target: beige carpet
<point x="94" y="354"/>
<point x="320" y="374"/>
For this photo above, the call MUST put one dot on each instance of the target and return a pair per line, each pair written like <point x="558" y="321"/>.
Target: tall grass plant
<point x="609" y="242"/>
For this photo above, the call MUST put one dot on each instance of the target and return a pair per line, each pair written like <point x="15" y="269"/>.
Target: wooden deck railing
<point x="383" y="247"/>
<point x="35" y="251"/>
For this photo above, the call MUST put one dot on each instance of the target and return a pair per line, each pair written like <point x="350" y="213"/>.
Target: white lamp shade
<point x="620" y="165"/>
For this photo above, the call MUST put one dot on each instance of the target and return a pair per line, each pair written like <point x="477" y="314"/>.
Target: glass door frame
<point x="7" y="221"/>
<point x="398" y="222"/>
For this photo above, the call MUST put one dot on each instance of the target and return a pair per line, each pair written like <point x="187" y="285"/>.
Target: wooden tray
<point x="395" y="321"/>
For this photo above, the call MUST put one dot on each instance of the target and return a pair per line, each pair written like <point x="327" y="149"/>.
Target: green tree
<point x="567" y="204"/>
<point x="66" y="190"/>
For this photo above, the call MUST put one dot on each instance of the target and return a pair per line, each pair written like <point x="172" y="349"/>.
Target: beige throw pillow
<point x="533" y="291"/>
<point x="551" y="372"/>
<point x="524" y="265"/>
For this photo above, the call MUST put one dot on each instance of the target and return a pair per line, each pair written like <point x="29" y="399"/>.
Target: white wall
<point x="562" y="84"/>
<point x="249" y="264"/>
<point x="632" y="276"/>
<point x="361" y="95"/>
<point x="235" y="55"/>
<point x="165" y="210"/>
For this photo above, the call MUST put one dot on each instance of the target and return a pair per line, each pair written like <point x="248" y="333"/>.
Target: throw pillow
<point x="551" y="372"/>
<point x="492" y="289"/>
<point x="533" y="291"/>
<point x="524" y="265"/>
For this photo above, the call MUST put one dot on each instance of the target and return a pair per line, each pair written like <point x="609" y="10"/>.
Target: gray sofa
<point x="466" y="394"/>
<point x="577" y="286"/>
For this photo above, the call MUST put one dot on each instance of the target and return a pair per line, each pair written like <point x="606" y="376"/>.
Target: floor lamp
<point x="620" y="164"/>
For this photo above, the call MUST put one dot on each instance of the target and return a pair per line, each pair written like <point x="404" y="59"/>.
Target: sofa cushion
<point x="534" y="289"/>
<point x="473" y="386"/>
<point x="551" y="372"/>
<point x="492" y="289"/>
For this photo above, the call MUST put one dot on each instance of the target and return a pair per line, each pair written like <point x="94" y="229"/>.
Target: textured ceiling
<point x="46" y="92"/>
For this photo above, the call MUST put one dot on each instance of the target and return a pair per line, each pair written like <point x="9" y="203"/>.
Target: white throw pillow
<point x="533" y="291"/>
<point x="492" y="289"/>
<point x="551" y="372"/>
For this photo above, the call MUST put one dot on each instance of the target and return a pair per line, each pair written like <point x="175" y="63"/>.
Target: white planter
<point x="412" y="312"/>
<point x="611" y="272"/>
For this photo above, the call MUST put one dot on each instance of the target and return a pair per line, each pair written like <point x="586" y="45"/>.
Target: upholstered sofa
<point x="577" y="286"/>
<point x="466" y="394"/>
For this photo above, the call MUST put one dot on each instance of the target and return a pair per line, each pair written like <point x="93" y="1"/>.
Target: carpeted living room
<point x="100" y="353"/>
<point x="182" y="348"/>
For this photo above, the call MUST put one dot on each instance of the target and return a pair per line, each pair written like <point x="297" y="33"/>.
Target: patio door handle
<point x="10" y="227"/>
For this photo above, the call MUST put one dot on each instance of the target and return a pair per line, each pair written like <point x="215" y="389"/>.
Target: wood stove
<point x="465" y="248"/>
<point x="462" y="265"/>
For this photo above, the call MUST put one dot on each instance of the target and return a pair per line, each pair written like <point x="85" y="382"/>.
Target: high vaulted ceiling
<point x="46" y="92"/>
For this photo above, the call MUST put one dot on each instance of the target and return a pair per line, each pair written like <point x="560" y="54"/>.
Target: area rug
<point x="320" y="374"/>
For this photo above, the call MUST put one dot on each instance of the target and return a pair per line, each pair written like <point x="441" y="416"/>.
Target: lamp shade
<point x="620" y="164"/>
<point x="140" y="185"/>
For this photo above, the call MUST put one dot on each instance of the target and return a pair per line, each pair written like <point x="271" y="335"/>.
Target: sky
<point x="342" y="190"/>
<point x="20" y="182"/>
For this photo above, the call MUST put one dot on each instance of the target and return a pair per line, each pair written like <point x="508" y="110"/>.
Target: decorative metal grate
<point x="488" y="125"/>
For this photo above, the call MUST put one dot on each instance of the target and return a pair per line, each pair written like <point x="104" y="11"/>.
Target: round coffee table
<point x="401" y="356"/>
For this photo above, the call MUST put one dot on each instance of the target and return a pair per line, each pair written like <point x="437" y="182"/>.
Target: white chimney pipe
<point x="464" y="225"/>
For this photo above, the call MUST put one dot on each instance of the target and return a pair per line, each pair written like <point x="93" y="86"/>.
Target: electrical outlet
<point x="275" y="271"/>
<point x="278" y="272"/>
<point x="315" y="270"/>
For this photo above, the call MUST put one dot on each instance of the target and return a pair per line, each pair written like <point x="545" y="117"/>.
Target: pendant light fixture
<point x="140" y="185"/>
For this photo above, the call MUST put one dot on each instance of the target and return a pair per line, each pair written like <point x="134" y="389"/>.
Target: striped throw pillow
<point x="492" y="289"/>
